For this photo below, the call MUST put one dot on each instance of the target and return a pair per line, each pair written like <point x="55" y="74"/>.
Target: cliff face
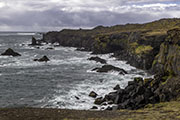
<point x="138" y="48"/>
<point x="168" y="58"/>
<point x="167" y="62"/>
<point x="136" y="43"/>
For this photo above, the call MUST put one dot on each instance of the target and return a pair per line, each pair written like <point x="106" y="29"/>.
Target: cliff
<point x="167" y="62"/>
<point x="136" y="43"/>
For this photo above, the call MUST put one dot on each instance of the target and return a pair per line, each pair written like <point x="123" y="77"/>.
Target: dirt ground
<point x="162" y="111"/>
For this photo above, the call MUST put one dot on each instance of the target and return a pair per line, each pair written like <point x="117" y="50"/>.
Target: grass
<point x="143" y="49"/>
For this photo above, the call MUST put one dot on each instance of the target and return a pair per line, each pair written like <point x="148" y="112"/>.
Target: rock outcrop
<point x="97" y="59"/>
<point x="168" y="59"/>
<point x="35" y="42"/>
<point x="107" y="68"/>
<point x="43" y="59"/>
<point x="10" y="52"/>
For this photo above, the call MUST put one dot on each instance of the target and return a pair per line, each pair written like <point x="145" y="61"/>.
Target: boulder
<point x="117" y="87"/>
<point x="43" y="59"/>
<point x="99" y="101"/>
<point x="93" y="94"/>
<point x="94" y="108"/>
<point x="110" y="97"/>
<point x="97" y="59"/>
<point x="10" y="52"/>
<point x="107" y="68"/>
<point x="77" y="97"/>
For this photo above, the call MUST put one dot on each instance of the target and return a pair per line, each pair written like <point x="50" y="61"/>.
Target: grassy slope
<point x="162" y="111"/>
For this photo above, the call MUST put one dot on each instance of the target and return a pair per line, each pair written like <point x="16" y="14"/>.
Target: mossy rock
<point x="143" y="49"/>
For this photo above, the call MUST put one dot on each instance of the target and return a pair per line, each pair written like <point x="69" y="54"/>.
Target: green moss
<point x="143" y="49"/>
<point x="154" y="62"/>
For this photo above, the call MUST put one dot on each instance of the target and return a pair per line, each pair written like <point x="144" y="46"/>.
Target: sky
<point x="48" y="15"/>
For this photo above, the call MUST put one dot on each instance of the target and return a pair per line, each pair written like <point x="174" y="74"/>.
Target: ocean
<point x="57" y="83"/>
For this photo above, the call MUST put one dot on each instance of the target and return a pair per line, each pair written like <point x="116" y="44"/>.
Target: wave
<point x="101" y="83"/>
<point x="17" y="33"/>
<point x="26" y="33"/>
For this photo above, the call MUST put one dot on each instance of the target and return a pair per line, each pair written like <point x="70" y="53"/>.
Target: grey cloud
<point x="52" y="15"/>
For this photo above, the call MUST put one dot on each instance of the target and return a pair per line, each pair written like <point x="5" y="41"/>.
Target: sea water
<point x="58" y="82"/>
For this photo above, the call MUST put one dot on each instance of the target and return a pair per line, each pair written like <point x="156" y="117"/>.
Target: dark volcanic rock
<point x="94" y="108"/>
<point x="43" y="59"/>
<point x="97" y="59"/>
<point x="107" y="68"/>
<point x="93" y="94"/>
<point x="77" y="97"/>
<point x="10" y="52"/>
<point x="117" y="87"/>
<point x="139" y="93"/>
<point x="35" y="42"/>
<point x="99" y="101"/>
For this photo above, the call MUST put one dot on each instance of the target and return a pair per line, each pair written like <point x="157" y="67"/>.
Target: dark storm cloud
<point x="57" y="14"/>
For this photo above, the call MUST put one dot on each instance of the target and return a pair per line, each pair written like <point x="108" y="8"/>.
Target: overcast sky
<point x="45" y="15"/>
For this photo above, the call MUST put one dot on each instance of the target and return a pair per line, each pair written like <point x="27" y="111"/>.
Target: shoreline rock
<point x="107" y="68"/>
<point x="43" y="59"/>
<point x="98" y="59"/>
<point x="35" y="42"/>
<point x="10" y="52"/>
<point x="93" y="94"/>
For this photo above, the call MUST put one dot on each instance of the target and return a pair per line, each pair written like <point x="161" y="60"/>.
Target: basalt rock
<point x="99" y="101"/>
<point x="10" y="52"/>
<point x="117" y="87"/>
<point x="94" y="108"/>
<point x="139" y="93"/>
<point x="43" y="59"/>
<point x="93" y="94"/>
<point x="97" y="59"/>
<point x="35" y="42"/>
<point x="107" y="68"/>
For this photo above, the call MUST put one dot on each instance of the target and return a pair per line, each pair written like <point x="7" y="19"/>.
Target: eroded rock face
<point x="168" y="59"/>
<point x="10" y="52"/>
<point x="98" y="59"/>
<point x="107" y="68"/>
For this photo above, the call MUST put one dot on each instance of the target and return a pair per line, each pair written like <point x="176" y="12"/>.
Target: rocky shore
<point x="153" y="47"/>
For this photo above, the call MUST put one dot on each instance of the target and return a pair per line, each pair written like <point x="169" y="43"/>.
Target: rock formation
<point x="43" y="59"/>
<point x="10" y="52"/>
<point x="97" y="59"/>
<point x="107" y="68"/>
